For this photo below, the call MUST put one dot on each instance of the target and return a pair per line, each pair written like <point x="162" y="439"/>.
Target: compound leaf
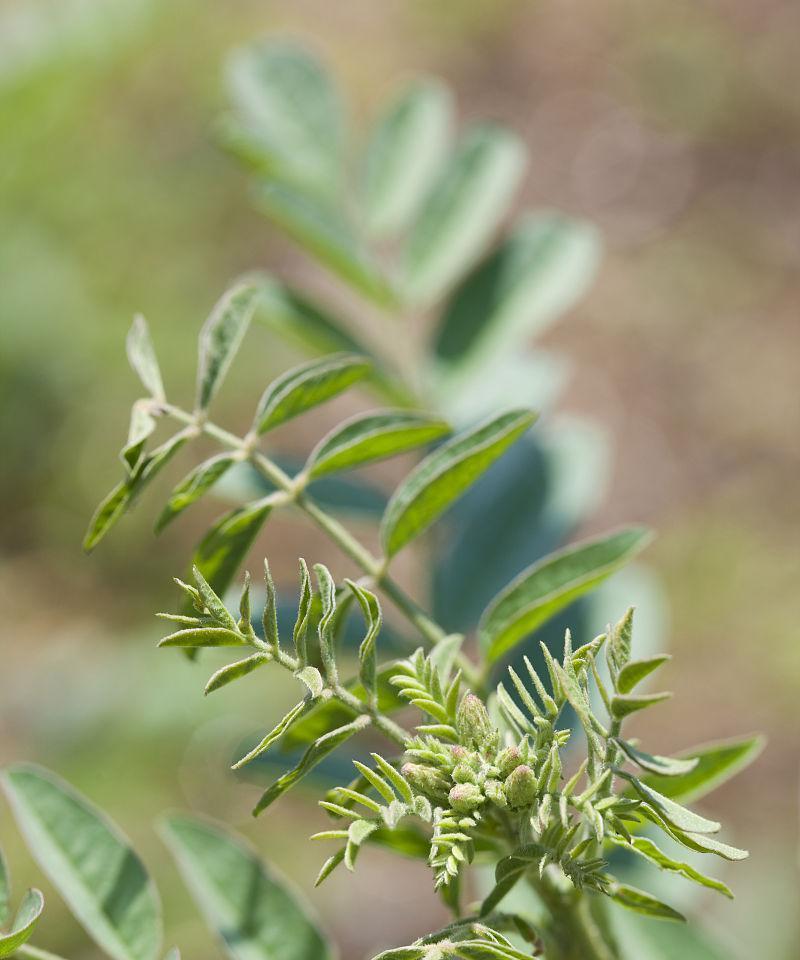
<point x="445" y="474"/>
<point x="88" y="861"/>
<point x="249" y="906"/>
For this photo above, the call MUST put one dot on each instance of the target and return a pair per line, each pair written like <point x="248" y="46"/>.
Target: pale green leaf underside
<point x="25" y="921"/>
<point x="142" y="358"/>
<point x="404" y="154"/>
<point x="304" y="387"/>
<point x="462" y="211"/>
<point x="367" y="438"/>
<point x="650" y="851"/>
<point x="550" y="584"/>
<point x="290" y="111"/>
<point x="221" y="336"/>
<point x="251" y="908"/>
<point x="89" y="861"/>
<point x="445" y="474"/>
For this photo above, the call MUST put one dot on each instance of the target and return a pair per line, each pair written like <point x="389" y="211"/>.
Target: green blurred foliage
<point x="674" y="127"/>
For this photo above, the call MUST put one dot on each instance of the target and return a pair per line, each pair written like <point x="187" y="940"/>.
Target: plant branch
<point x="350" y="545"/>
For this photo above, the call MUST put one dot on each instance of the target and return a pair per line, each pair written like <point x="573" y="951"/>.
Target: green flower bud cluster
<point x="468" y="775"/>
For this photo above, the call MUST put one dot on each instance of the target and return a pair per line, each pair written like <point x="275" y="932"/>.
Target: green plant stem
<point x="386" y="725"/>
<point x="573" y="932"/>
<point x="339" y="534"/>
<point x="35" y="953"/>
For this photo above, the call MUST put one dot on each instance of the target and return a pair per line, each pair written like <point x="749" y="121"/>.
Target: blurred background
<point x="674" y="127"/>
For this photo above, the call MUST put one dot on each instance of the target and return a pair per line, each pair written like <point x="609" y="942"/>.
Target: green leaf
<point x="233" y="671"/>
<point x="276" y="733"/>
<point x="649" y="851"/>
<point x="371" y="608"/>
<point x="324" y="233"/>
<point x="642" y="902"/>
<point x="307" y="386"/>
<point x="312" y="678"/>
<point x="716" y="764"/>
<point x="5" y="890"/>
<point x="89" y="861"/>
<point x="404" y="155"/>
<point x="142" y="425"/>
<point x="368" y="437"/>
<point x="313" y="327"/>
<point x="24" y="923"/>
<point x="204" y="637"/>
<point x="462" y="211"/>
<point x="623" y="706"/>
<point x="249" y="906"/>
<point x="142" y="357"/>
<point x="221" y="551"/>
<point x="403" y="953"/>
<point x="315" y="753"/>
<point x="290" y="111"/>
<point x="123" y="495"/>
<point x="636" y="670"/>
<point x="550" y="584"/>
<point x="673" y="813"/>
<point x="445" y="474"/>
<point x="200" y="479"/>
<point x="221" y="336"/>
<point x="539" y="272"/>
<point x="665" y="766"/>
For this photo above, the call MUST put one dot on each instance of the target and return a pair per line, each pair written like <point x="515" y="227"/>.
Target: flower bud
<point x="472" y="721"/>
<point x="494" y="792"/>
<point x="426" y="780"/>
<point x="520" y="787"/>
<point x="465" y="797"/>
<point x="508" y="760"/>
<point x="463" y="773"/>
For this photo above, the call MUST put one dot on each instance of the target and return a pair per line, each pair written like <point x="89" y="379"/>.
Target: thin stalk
<point x="337" y="532"/>
<point x="572" y="933"/>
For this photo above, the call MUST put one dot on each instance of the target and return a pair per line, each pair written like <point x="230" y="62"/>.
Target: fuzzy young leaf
<point x="664" y="766"/>
<point x="404" y="155"/>
<point x="142" y="425"/>
<point x="199" y="480"/>
<point x="673" y="813"/>
<point x="122" y="497"/>
<point x="324" y="233"/>
<point x="649" y="851"/>
<point x="250" y="907"/>
<point x="642" y="902"/>
<point x="25" y="921"/>
<point x="307" y="386"/>
<point x="291" y="113"/>
<point x="204" y="637"/>
<point x="716" y="764"/>
<point x="367" y="438"/>
<point x="300" y="632"/>
<point x="142" y="358"/>
<point x="623" y="706"/>
<point x="222" y="550"/>
<point x="315" y="753"/>
<point x="371" y="608"/>
<point x="636" y="670"/>
<point x="552" y="583"/>
<point x="234" y="671"/>
<point x="89" y="861"/>
<point x="462" y="211"/>
<point x="538" y="273"/>
<point x="221" y="336"/>
<point x="445" y="474"/>
<point x="276" y="733"/>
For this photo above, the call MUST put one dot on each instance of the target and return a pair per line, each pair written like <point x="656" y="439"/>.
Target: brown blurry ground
<point x="675" y="127"/>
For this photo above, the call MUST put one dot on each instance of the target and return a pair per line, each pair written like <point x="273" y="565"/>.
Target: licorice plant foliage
<point x="496" y="751"/>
